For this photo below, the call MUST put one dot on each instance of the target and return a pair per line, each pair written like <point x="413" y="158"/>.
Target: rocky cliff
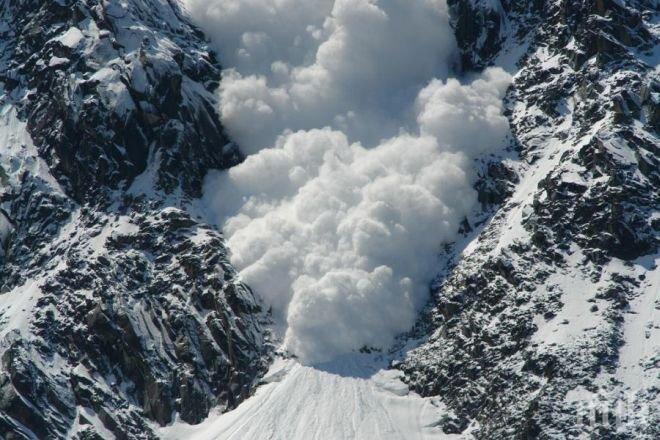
<point x="549" y="305"/>
<point x="118" y="308"/>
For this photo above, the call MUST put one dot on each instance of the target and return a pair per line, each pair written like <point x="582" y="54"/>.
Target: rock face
<point x="111" y="87"/>
<point x="484" y="27"/>
<point x="118" y="307"/>
<point x="551" y="304"/>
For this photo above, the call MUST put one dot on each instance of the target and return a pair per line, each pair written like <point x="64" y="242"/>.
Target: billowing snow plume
<point x="360" y="165"/>
<point x="355" y="65"/>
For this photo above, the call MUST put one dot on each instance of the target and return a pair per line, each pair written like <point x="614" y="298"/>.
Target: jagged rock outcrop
<point x="107" y="85"/>
<point x="485" y="28"/>
<point x="118" y="306"/>
<point x="550" y="307"/>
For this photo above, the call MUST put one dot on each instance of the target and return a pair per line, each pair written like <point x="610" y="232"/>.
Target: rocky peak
<point x="111" y="89"/>
<point x="485" y="27"/>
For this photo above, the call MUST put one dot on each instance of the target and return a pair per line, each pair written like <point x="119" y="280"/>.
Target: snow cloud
<point x="360" y="165"/>
<point x="354" y="65"/>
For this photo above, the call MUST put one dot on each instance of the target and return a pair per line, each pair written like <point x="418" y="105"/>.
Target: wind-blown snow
<point x="361" y="159"/>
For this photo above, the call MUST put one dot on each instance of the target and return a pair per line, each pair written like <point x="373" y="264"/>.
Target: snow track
<point x="351" y="398"/>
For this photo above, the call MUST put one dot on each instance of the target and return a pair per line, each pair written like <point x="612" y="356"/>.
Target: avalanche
<point x="336" y="220"/>
<point x="338" y="213"/>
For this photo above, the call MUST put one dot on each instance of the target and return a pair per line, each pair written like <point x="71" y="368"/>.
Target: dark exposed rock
<point x="102" y="117"/>
<point x="129" y="310"/>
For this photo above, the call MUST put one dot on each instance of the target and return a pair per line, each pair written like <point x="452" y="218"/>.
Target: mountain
<point x="120" y="312"/>
<point x="553" y="301"/>
<point x="119" y="305"/>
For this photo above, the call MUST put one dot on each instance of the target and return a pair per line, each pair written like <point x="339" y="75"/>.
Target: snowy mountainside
<point x="551" y="309"/>
<point x="118" y="304"/>
<point x="108" y="88"/>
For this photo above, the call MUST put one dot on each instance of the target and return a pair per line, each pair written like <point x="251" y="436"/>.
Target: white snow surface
<point x="113" y="90"/>
<point x="17" y="152"/>
<point x="71" y="38"/>
<point x="352" y="397"/>
<point x="641" y="330"/>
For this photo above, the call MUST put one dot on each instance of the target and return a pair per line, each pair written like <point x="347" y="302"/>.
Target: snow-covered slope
<point x="551" y="310"/>
<point x="352" y="397"/>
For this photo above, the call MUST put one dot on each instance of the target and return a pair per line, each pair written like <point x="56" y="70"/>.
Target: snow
<point x="575" y="318"/>
<point x="550" y="151"/>
<point x="71" y="38"/>
<point x="360" y="162"/>
<point x="113" y="91"/>
<point x="353" y="397"/>
<point x="303" y="64"/>
<point x="352" y="232"/>
<point x="57" y="61"/>
<point x="96" y="243"/>
<point x="123" y="226"/>
<point x="16" y="309"/>
<point x="17" y="152"/>
<point x="641" y="330"/>
<point x="93" y="419"/>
